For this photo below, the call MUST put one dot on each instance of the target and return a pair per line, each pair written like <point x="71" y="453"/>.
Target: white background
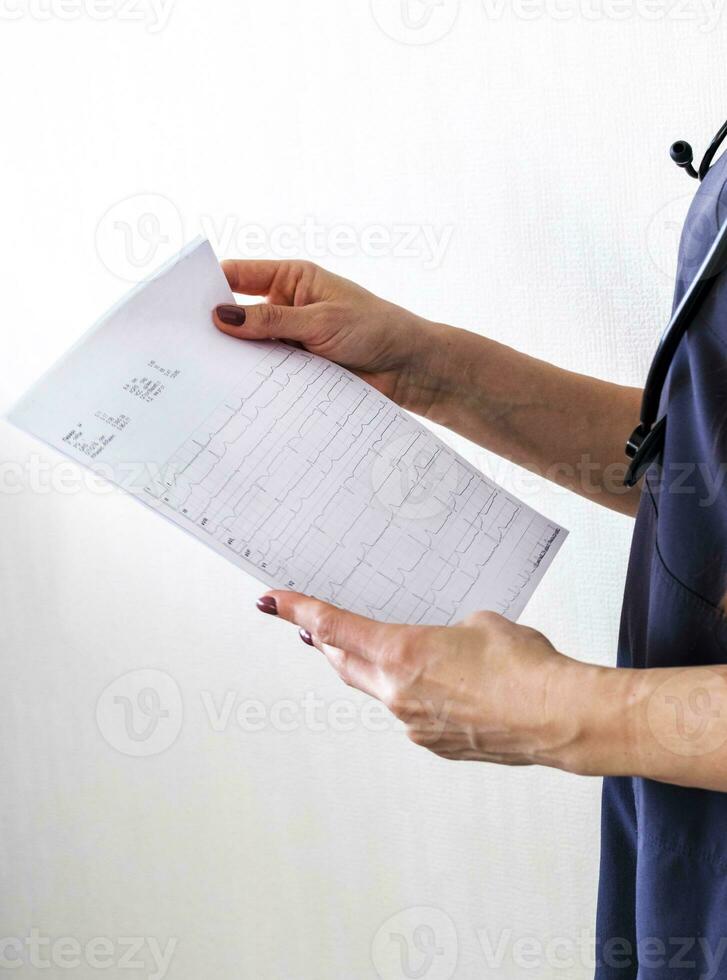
<point x="534" y="138"/>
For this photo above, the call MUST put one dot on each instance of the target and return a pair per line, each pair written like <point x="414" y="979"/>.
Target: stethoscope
<point x="646" y="443"/>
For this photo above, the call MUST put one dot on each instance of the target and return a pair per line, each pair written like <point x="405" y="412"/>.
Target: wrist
<point x="461" y="377"/>
<point x="601" y="718"/>
<point x="426" y="375"/>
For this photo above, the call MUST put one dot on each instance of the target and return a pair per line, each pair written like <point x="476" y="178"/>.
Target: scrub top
<point x="662" y="910"/>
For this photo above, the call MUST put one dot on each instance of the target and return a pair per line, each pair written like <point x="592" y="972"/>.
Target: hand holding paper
<point x="284" y="462"/>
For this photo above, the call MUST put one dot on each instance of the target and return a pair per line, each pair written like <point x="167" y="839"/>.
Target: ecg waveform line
<point x="326" y="487"/>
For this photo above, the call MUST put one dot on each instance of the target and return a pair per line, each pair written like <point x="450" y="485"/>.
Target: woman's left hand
<point x="485" y="689"/>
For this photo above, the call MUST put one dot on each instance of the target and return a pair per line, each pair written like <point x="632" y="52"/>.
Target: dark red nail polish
<point x="306" y="637"/>
<point x="267" y="605"/>
<point x="233" y="316"/>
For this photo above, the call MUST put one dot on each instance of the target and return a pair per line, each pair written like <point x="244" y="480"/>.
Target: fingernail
<point x="267" y="605"/>
<point x="233" y="316"/>
<point x="306" y="637"/>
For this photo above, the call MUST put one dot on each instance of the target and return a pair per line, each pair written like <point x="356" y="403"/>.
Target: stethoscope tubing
<point x="645" y="445"/>
<point x="684" y="315"/>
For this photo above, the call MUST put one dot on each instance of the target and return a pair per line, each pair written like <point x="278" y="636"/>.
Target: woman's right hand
<point x="396" y="351"/>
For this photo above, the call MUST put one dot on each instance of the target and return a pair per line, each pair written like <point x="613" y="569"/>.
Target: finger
<point x="355" y="671"/>
<point x="332" y="626"/>
<point x="289" y="283"/>
<point x="253" y="277"/>
<point x="430" y="738"/>
<point x="264" y="321"/>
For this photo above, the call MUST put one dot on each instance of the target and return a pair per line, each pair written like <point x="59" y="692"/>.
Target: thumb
<point x="262" y="321"/>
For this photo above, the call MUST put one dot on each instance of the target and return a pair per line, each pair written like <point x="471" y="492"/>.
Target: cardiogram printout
<point x="288" y="465"/>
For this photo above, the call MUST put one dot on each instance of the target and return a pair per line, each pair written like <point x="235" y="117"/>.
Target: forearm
<point x="666" y="724"/>
<point x="564" y="426"/>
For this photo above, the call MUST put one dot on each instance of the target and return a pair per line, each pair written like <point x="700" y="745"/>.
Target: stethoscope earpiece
<point x="682" y="154"/>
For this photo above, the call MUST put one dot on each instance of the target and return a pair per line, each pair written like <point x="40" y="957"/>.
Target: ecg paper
<point x="291" y="467"/>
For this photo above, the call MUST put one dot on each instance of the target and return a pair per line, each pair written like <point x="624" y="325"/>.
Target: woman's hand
<point x="485" y="689"/>
<point x="490" y="691"/>
<point x="394" y="350"/>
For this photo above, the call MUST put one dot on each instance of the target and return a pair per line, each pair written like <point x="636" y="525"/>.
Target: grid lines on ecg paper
<point x="330" y="489"/>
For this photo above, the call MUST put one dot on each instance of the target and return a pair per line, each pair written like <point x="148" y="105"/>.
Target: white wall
<point x="540" y="145"/>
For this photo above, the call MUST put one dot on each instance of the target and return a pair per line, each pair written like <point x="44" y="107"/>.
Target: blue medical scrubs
<point x="663" y="889"/>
